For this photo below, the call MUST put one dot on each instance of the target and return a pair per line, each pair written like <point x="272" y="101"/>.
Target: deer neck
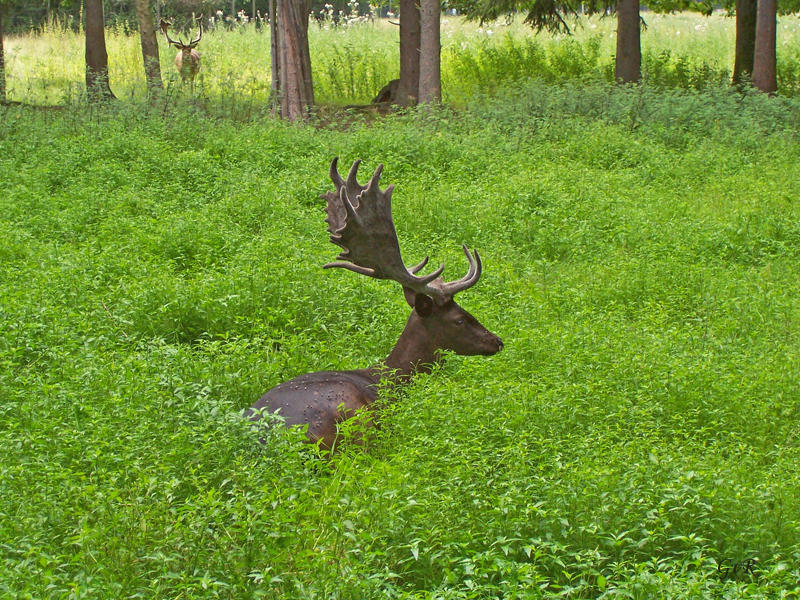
<point x="413" y="353"/>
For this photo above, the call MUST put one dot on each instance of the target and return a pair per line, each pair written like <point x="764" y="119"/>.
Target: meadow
<point x="638" y="437"/>
<point x="350" y="64"/>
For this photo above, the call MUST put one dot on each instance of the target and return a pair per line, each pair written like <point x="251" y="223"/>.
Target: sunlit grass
<point x="351" y="64"/>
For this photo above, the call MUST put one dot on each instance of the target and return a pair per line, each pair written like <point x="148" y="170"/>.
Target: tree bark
<point x="430" y="79"/>
<point x="764" y="60"/>
<point x="147" y="33"/>
<point x="296" y="88"/>
<point x="408" y="89"/>
<point x="745" y="40"/>
<point x="96" y="56"/>
<point x="275" y="86"/>
<point x="2" y="59"/>
<point x="628" y="64"/>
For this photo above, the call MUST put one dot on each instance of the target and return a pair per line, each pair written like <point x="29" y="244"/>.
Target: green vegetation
<point x="159" y="271"/>
<point x="351" y="64"/>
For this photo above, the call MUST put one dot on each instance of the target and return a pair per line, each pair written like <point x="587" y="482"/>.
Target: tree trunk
<point x="764" y="67"/>
<point x="628" y="66"/>
<point x="275" y="86"/>
<point x="147" y="33"/>
<point x="430" y="80"/>
<point x="2" y="59"/>
<point x="296" y="89"/>
<point x="408" y="89"/>
<point x="745" y="40"/>
<point x="96" y="56"/>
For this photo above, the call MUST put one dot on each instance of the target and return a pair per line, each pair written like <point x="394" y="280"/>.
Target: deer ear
<point x="419" y="302"/>
<point x="410" y="296"/>
<point x="423" y="305"/>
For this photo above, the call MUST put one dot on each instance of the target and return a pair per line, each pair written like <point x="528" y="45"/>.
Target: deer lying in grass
<point x="187" y="60"/>
<point x="360" y="222"/>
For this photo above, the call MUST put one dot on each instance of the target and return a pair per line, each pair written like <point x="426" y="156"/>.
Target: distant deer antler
<point x="196" y="41"/>
<point x="163" y="24"/>
<point x="360" y="222"/>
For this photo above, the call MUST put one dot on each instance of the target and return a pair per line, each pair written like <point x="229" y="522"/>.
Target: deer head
<point x="360" y="222"/>
<point x="188" y="59"/>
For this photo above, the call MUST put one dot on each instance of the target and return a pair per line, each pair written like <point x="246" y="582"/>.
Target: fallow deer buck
<point x="360" y="222"/>
<point x="187" y="60"/>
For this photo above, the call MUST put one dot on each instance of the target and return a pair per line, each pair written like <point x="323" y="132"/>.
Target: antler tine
<point x="376" y="177"/>
<point x="164" y="27"/>
<point x="351" y="174"/>
<point x="351" y="267"/>
<point x="418" y="267"/>
<point x="334" y="174"/>
<point x="425" y="280"/>
<point x="200" y="35"/>
<point x="354" y="188"/>
<point x="451" y="288"/>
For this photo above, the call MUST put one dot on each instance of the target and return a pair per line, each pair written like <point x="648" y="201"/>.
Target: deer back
<point x="321" y="400"/>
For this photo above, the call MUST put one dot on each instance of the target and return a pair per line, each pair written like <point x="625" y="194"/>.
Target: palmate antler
<point x="360" y="222"/>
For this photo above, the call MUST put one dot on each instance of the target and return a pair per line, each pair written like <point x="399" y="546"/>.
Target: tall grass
<point x="159" y="271"/>
<point x="351" y="64"/>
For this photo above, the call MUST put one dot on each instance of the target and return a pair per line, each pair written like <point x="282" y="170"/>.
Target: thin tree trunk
<point x="430" y="80"/>
<point x="147" y="33"/>
<point x="628" y="65"/>
<point x="764" y="60"/>
<point x="2" y="59"/>
<point x="296" y="89"/>
<point x="96" y="56"/>
<point x="408" y="90"/>
<point x="275" y="86"/>
<point x="746" y="11"/>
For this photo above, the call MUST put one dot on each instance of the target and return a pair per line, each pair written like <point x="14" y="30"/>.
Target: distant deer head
<point x="188" y="59"/>
<point x="360" y="222"/>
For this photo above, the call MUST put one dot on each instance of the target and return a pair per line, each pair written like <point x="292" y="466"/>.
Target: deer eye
<point x="460" y="322"/>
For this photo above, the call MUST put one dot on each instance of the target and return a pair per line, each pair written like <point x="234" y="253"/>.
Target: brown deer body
<point x="187" y="61"/>
<point x="360" y="221"/>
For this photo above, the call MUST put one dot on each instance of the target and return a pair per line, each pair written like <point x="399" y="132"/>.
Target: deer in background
<point x="187" y="60"/>
<point x="360" y="222"/>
